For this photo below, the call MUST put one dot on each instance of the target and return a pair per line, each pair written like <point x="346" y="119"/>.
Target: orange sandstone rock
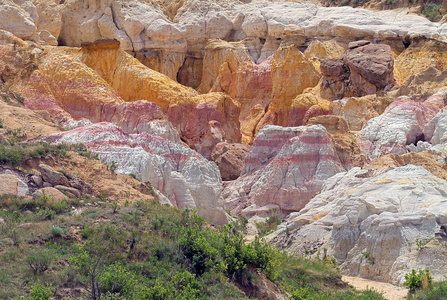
<point x="292" y="73"/>
<point x="230" y="68"/>
<point x="420" y="55"/>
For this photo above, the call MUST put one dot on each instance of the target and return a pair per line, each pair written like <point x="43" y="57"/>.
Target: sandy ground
<point x="390" y="292"/>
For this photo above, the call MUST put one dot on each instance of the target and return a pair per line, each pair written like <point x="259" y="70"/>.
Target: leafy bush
<point x="39" y="261"/>
<point x="40" y="292"/>
<point x="13" y="155"/>
<point x="181" y="286"/>
<point x="198" y="250"/>
<point x="417" y="280"/>
<point x="117" y="279"/>
<point x="238" y="256"/>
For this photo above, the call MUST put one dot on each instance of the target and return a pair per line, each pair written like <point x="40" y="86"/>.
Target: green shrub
<point x="117" y="279"/>
<point x="39" y="261"/>
<point x="181" y="286"/>
<point x="40" y="292"/>
<point x="199" y="251"/>
<point x="57" y="231"/>
<point x="13" y="155"/>
<point x="417" y="280"/>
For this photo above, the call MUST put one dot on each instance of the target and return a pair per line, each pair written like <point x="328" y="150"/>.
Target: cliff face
<point x="292" y="100"/>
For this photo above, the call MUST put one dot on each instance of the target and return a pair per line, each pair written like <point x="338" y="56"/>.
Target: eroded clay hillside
<point x="331" y="117"/>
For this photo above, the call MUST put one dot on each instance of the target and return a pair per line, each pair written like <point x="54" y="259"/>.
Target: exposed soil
<point x="390" y="292"/>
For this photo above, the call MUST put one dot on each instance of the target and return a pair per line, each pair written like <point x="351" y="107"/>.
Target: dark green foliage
<point x="417" y="280"/>
<point x="197" y="249"/>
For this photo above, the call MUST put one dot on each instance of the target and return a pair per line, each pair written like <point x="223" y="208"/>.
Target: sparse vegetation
<point x="17" y="152"/>
<point x="368" y="256"/>
<point x="432" y="11"/>
<point x="269" y="225"/>
<point x="422" y="244"/>
<point x="113" y="166"/>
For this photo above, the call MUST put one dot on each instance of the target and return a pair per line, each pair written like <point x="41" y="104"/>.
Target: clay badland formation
<point x="332" y="117"/>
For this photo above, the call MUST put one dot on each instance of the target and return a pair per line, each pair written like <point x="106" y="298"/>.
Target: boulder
<point x="402" y="123"/>
<point x="230" y="159"/>
<point x="186" y="178"/>
<point x="364" y="69"/>
<point x="71" y="190"/>
<point x="372" y="63"/>
<point x="53" y="177"/>
<point x="370" y="221"/>
<point x="17" y="19"/>
<point x="333" y="67"/>
<point x="38" y="180"/>
<point x="285" y="167"/>
<point x="52" y="195"/>
<point x="436" y="130"/>
<point x="12" y="186"/>
<point x="82" y="186"/>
